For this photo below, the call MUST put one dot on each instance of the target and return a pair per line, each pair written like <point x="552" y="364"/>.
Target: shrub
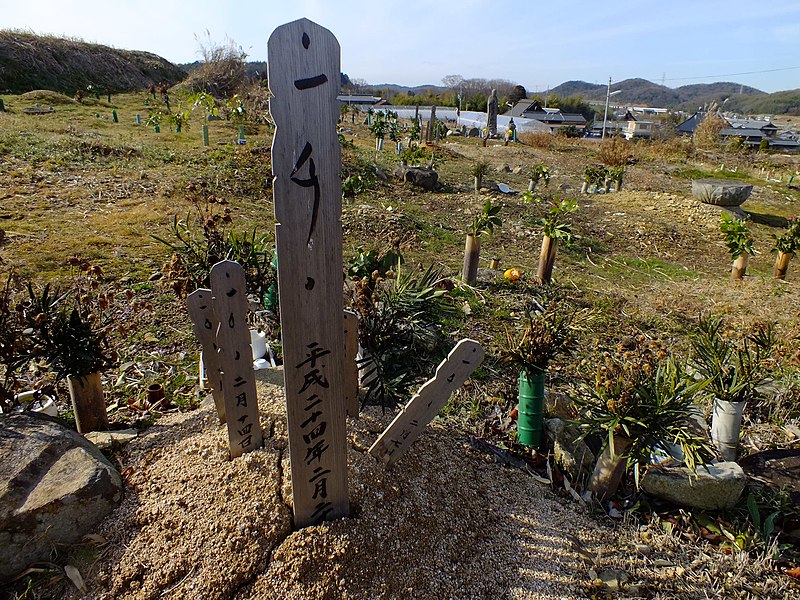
<point x="615" y="152"/>
<point x="707" y="133"/>
<point x="737" y="237"/>
<point x="644" y="394"/>
<point x="401" y="331"/>
<point x="222" y="72"/>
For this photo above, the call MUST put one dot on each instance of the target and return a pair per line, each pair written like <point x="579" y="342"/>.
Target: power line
<point x="729" y="74"/>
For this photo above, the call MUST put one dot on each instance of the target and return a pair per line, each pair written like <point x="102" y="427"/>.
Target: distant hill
<point x="33" y="62"/>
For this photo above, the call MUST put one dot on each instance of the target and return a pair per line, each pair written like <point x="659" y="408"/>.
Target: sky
<point x="415" y="42"/>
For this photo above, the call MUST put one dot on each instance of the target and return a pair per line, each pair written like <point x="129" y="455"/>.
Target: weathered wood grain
<point x="229" y="303"/>
<point x="205" y="327"/>
<point x="407" y="426"/>
<point x="304" y="72"/>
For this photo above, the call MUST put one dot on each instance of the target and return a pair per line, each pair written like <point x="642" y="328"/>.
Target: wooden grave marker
<point x="205" y="327"/>
<point x="304" y="73"/>
<point x="407" y="426"/>
<point x="229" y="302"/>
<point x="350" y="366"/>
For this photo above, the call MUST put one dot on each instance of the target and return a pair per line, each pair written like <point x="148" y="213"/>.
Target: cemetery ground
<point x="466" y="513"/>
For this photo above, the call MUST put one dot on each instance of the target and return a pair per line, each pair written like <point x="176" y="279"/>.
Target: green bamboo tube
<point x="205" y="135"/>
<point x="531" y="409"/>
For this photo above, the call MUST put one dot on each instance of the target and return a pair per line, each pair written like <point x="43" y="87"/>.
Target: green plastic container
<point x="531" y="409"/>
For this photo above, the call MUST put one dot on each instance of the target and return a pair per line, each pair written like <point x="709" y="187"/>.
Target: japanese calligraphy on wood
<point x="451" y="373"/>
<point x="205" y="328"/>
<point x="229" y="303"/>
<point x="350" y="366"/>
<point x="303" y="68"/>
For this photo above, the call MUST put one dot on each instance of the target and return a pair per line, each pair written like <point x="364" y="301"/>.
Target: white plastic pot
<point x="258" y="342"/>
<point x="726" y="424"/>
<point x="28" y="401"/>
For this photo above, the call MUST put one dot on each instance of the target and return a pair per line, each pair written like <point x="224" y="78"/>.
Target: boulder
<point x="419" y="176"/>
<point x="54" y="488"/>
<point x="721" y="192"/>
<point x="474" y="132"/>
<point x="573" y="456"/>
<point x="715" y="487"/>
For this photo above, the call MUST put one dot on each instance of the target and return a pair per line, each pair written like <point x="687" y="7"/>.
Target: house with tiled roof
<point x="551" y="117"/>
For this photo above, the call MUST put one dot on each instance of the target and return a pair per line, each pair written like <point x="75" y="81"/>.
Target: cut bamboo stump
<point x="610" y="468"/>
<point x="472" y="252"/>
<point x="739" y="267"/>
<point x="782" y="264"/>
<point x="547" y="259"/>
<point x="88" y="403"/>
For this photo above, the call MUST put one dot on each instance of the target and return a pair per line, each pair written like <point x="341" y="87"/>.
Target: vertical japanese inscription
<point x="303" y="63"/>
<point x="235" y="357"/>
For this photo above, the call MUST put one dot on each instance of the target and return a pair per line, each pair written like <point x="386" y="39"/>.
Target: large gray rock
<point x="721" y="192"/>
<point x="419" y="176"/>
<point x="716" y="487"/>
<point x="54" y="488"/>
<point x="572" y="455"/>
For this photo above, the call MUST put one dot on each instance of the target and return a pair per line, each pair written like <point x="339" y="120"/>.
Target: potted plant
<point x="593" y="176"/>
<point x="538" y="172"/>
<point x="484" y="223"/>
<point x="544" y="336"/>
<point x="379" y="126"/>
<point x="785" y="247"/>
<point x="615" y="175"/>
<point x="734" y="363"/>
<point x="641" y="398"/>
<point x="479" y="171"/>
<point x="72" y="344"/>
<point x="554" y="227"/>
<point x="739" y="243"/>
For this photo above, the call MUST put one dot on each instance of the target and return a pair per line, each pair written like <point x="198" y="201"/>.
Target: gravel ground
<point x="446" y="522"/>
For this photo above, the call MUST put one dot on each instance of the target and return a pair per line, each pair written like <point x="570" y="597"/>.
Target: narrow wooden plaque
<point x="350" y="366"/>
<point x="229" y="302"/>
<point x="407" y="426"/>
<point x="205" y="326"/>
<point x="304" y="74"/>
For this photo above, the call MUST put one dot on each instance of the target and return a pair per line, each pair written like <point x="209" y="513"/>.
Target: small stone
<point x="663" y="562"/>
<point x="644" y="549"/>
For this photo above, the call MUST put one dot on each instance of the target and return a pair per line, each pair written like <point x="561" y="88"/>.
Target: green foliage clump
<point x="737" y="236"/>
<point x="554" y="221"/>
<point x="789" y="242"/>
<point x="644" y="394"/>
<point x="199" y="243"/>
<point x="732" y="360"/>
<point x="401" y="329"/>
<point x="487" y="220"/>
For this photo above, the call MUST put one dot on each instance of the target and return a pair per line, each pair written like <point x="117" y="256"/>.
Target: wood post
<point x="88" y="402"/>
<point x="547" y="259"/>
<point x="407" y="426"/>
<point x="350" y="366"/>
<point x="610" y="468"/>
<point x="205" y="326"/>
<point x="472" y="252"/>
<point x="304" y="73"/>
<point x="229" y="303"/>
<point x="739" y="267"/>
<point x="782" y="264"/>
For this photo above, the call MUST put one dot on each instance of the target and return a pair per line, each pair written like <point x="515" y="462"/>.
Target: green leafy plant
<point x="733" y="361"/>
<point x="595" y="174"/>
<point x="205" y="102"/>
<point x="199" y="243"/>
<point x="155" y="117"/>
<point x="178" y="119"/>
<point x="538" y="172"/>
<point x="235" y="109"/>
<point x="415" y="155"/>
<point x="487" y="220"/>
<point x="736" y="235"/>
<point x="554" y="222"/>
<point x="544" y="336"/>
<point x="401" y="331"/>
<point x="479" y="169"/>
<point x="616" y="173"/>
<point x="645" y="395"/>
<point x="789" y="241"/>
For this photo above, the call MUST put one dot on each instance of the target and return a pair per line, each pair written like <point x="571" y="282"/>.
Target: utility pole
<point x="605" y="113"/>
